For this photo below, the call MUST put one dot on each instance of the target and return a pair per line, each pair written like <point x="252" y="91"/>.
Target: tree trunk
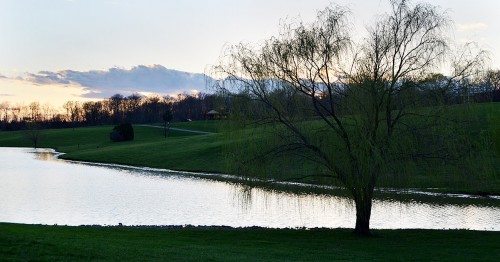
<point x="363" y="213"/>
<point x="165" y="129"/>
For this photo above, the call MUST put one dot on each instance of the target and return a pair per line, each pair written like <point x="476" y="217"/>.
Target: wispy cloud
<point x="471" y="26"/>
<point x="139" y="79"/>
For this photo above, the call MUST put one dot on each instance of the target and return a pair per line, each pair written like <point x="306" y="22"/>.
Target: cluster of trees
<point x="450" y="90"/>
<point x="134" y="109"/>
<point x="430" y="90"/>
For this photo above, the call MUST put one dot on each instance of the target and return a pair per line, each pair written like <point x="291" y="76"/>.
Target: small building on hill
<point x="212" y="115"/>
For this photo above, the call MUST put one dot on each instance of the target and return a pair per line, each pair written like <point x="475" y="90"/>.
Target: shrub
<point x="122" y="132"/>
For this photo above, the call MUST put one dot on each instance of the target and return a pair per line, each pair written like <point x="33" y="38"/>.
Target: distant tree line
<point x="433" y="89"/>
<point x="135" y="109"/>
<point x="138" y="109"/>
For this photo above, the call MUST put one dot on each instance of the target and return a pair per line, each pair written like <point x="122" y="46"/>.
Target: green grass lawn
<point x="203" y="125"/>
<point x="180" y="150"/>
<point x="44" y="243"/>
<point x="196" y="152"/>
<point x="213" y="126"/>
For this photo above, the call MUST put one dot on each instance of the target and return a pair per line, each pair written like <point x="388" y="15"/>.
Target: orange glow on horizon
<point x="21" y="92"/>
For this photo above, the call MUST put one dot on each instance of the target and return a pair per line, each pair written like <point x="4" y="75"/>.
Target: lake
<point x="38" y="188"/>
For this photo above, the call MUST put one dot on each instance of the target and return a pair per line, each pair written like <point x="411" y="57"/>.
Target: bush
<point x="122" y="132"/>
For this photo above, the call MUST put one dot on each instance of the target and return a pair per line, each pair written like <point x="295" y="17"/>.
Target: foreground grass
<point x="35" y="242"/>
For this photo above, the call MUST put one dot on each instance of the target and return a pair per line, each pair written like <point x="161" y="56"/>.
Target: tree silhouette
<point x="167" y="117"/>
<point x="364" y="93"/>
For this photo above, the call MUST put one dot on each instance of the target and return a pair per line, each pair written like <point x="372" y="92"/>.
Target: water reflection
<point x="58" y="192"/>
<point x="44" y="154"/>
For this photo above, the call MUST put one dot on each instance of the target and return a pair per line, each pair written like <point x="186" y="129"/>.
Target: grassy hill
<point x="180" y="150"/>
<point x="209" y="153"/>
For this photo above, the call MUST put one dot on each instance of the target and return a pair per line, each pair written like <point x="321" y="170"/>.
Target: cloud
<point x="6" y="95"/>
<point x="139" y="79"/>
<point x="470" y="26"/>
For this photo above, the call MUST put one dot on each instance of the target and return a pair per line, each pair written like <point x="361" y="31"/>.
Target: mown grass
<point x="203" y="125"/>
<point x="475" y="168"/>
<point x="44" y="243"/>
<point x="216" y="152"/>
<point x="180" y="150"/>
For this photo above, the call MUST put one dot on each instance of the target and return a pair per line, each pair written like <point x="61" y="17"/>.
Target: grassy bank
<point x="181" y="150"/>
<point x="468" y="138"/>
<point x="195" y="152"/>
<point x="35" y="242"/>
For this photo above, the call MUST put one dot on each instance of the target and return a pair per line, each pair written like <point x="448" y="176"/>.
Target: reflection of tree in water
<point x="44" y="155"/>
<point x="292" y="202"/>
<point x="242" y="194"/>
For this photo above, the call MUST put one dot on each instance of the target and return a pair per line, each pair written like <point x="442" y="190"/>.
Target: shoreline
<point x="286" y="186"/>
<point x="435" y="192"/>
<point x="243" y="228"/>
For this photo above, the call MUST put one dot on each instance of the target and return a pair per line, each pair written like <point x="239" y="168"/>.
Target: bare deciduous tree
<point x="364" y="93"/>
<point x="35" y="111"/>
<point x="33" y="133"/>
<point x="74" y="111"/>
<point x="492" y="84"/>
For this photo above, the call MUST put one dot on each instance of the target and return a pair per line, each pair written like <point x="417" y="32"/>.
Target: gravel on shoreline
<point x="168" y="227"/>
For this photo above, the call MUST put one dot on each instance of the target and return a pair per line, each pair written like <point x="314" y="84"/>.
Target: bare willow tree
<point x="468" y="69"/>
<point x="492" y="83"/>
<point x="363" y="93"/>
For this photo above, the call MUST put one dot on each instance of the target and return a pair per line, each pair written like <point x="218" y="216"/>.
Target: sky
<point x="57" y="50"/>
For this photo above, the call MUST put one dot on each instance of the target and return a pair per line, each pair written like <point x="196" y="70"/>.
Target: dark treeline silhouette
<point x="435" y="89"/>
<point x="135" y="109"/>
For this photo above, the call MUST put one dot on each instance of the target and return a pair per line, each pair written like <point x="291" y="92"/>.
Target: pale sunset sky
<point x="52" y="51"/>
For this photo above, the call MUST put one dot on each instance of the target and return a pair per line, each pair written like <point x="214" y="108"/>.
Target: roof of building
<point x="212" y="112"/>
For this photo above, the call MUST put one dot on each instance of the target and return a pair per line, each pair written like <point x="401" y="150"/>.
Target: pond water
<point x="37" y="188"/>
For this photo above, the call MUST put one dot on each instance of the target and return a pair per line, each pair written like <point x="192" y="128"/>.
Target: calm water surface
<point x="36" y="188"/>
